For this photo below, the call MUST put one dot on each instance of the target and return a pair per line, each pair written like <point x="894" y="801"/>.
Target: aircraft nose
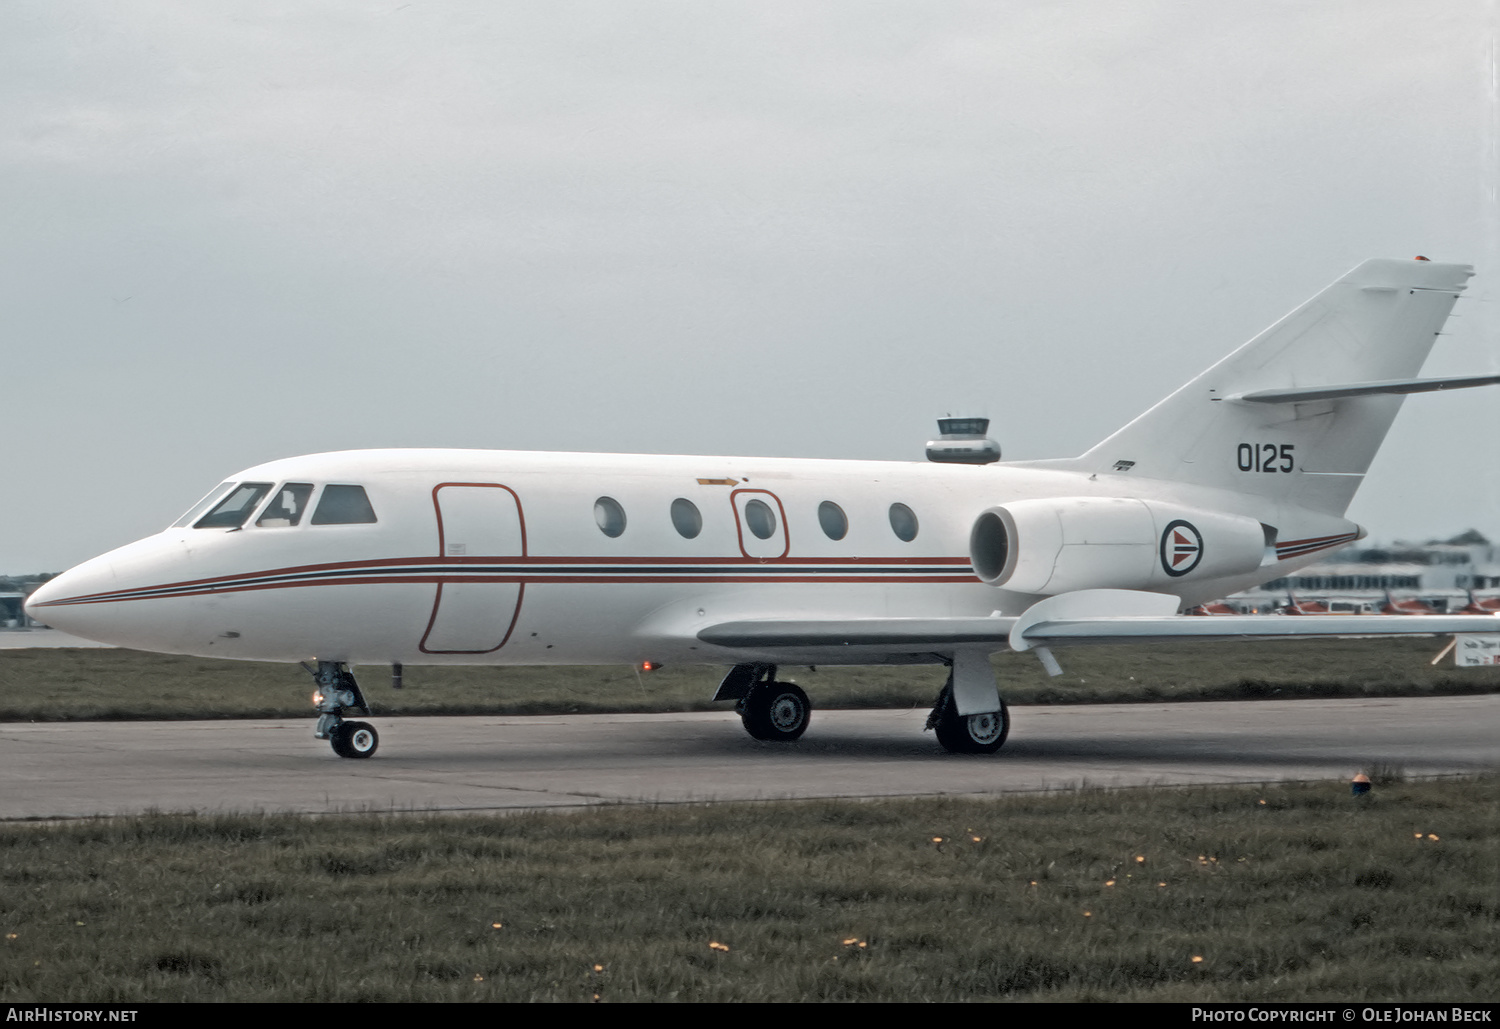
<point x="89" y="600"/>
<point x="43" y="605"/>
<point x="46" y="591"/>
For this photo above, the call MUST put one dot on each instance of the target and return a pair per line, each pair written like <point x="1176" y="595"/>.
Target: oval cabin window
<point x="760" y="519"/>
<point x="833" y="520"/>
<point x="686" y="518"/>
<point x="610" y="516"/>
<point x="903" y="522"/>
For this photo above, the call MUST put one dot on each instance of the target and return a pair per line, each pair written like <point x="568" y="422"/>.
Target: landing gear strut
<point x="982" y="733"/>
<point x="336" y="693"/>
<point x="772" y="711"/>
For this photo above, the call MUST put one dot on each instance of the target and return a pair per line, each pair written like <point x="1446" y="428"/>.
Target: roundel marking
<point x="1181" y="548"/>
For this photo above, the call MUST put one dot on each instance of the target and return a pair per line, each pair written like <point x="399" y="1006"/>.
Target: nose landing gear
<point x="354" y="739"/>
<point x="337" y="692"/>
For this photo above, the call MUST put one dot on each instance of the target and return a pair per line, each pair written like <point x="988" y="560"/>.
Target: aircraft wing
<point x="905" y="633"/>
<point x="1129" y="616"/>
<point x="901" y="633"/>
<point x="1136" y="629"/>
<point x="1074" y="619"/>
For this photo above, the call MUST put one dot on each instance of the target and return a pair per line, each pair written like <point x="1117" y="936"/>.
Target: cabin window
<point x="287" y="506"/>
<point x="833" y="520"/>
<point x="196" y="511"/>
<point x="686" y="518"/>
<point x="903" y="523"/>
<point x="760" y="519"/>
<point x="231" y="512"/>
<point x="343" y="505"/>
<point x="610" y="516"/>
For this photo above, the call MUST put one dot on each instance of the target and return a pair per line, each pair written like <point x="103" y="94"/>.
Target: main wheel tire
<point x="776" y="711"/>
<point x="973" y="734"/>
<point x="354" y="739"/>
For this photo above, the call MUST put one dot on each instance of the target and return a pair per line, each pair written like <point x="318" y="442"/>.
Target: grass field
<point x="1295" y="892"/>
<point x="99" y="683"/>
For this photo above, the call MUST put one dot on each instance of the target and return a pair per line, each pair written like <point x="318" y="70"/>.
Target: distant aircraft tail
<point x="1297" y="413"/>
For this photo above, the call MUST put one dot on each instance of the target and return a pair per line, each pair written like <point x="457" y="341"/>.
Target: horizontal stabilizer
<point x="1394" y="387"/>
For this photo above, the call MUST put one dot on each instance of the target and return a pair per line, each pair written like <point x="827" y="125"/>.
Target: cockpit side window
<point x="287" y="506"/>
<point x="196" y="511"/>
<point x="231" y="512"/>
<point x="343" y="505"/>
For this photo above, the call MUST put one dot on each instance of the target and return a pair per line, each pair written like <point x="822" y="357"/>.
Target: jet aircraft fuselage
<point x="494" y="557"/>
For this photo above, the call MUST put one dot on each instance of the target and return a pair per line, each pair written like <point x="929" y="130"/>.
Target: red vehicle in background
<point x="1304" y="607"/>
<point x="1392" y="606"/>
<point x="1214" y="607"/>
<point x="1480" y="606"/>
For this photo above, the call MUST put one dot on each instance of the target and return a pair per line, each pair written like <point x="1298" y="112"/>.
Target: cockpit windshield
<point x="287" y="506"/>
<point x="231" y="512"/>
<point x="209" y="499"/>
<point x="343" y="505"/>
<point x="230" y="505"/>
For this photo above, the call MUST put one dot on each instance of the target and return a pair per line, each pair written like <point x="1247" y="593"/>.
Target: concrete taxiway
<point x="40" y="637"/>
<point x="496" y="763"/>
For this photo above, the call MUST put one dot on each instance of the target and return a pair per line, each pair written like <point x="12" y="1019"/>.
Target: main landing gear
<point x="336" y="693"/>
<point x="982" y="733"/>
<point x="772" y="711"/>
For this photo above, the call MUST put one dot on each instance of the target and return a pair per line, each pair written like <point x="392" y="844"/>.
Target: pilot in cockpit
<point x="286" y="509"/>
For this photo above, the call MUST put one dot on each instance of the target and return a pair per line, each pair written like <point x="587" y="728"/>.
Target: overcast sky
<point x="238" y="231"/>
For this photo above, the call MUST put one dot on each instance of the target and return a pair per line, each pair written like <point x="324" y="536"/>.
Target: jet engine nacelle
<point x="1076" y="543"/>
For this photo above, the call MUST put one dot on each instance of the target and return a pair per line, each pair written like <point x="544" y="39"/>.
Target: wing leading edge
<point x="1079" y="618"/>
<point x="898" y="633"/>
<point x="1075" y="632"/>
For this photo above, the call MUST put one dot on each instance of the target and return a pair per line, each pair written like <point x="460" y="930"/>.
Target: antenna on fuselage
<point x="963" y="441"/>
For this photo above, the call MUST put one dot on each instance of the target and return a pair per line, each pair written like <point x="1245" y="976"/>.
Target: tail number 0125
<point x="1265" y="457"/>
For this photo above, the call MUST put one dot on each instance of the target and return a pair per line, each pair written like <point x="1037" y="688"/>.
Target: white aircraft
<point x="506" y="558"/>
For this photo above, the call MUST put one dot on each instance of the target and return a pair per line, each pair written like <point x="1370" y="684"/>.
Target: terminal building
<point x="12" y="613"/>
<point x="1356" y="578"/>
<point x="13" y="594"/>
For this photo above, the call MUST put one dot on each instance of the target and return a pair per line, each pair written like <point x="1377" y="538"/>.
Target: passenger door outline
<point x="472" y="608"/>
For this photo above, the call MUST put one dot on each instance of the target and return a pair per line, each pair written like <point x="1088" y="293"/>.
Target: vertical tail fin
<point x="1375" y="323"/>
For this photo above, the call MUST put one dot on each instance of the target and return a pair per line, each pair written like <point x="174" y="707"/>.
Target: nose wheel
<point x="354" y="739"/>
<point x="337" y="692"/>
